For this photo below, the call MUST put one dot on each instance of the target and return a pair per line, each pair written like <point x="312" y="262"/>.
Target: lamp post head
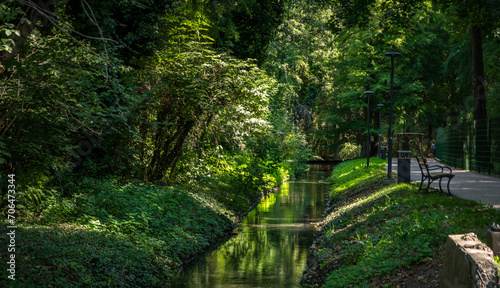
<point x="369" y="92"/>
<point x="392" y="54"/>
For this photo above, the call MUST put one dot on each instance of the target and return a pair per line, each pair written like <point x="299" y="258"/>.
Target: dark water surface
<point x="271" y="247"/>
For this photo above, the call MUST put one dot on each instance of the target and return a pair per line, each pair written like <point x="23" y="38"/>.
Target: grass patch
<point x="354" y="174"/>
<point x="373" y="231"/>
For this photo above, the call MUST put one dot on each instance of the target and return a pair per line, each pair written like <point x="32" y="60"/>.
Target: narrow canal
<point x="270" y="249"/>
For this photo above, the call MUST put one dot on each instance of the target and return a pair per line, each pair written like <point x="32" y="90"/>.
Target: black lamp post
<point x="368" y="131"/>
<point x="379" y="127"/>
<point x="389" y="160"/>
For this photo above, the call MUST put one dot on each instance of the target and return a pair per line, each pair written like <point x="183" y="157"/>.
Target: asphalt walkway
<point x="465" y="184"/>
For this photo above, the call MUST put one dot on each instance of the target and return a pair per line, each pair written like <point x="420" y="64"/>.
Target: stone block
<point x="468" y="262"/>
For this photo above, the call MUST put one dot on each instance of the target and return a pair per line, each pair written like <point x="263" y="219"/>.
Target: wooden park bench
<point x="429" y="175"/>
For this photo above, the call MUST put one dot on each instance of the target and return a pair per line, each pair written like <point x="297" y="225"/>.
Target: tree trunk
<point x="429" y="143"/>
<point x="483" y="149"/>
<point x="167" y="151"/>
<point x="478" y="81"/>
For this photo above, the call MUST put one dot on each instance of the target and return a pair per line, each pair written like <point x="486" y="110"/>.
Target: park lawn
<point x="381" y="236"/>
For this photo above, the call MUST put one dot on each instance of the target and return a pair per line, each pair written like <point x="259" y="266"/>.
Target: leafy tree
<point x="475" y="19"/>
<point x="53" y="94"/>
<point x="135" y="25"/>
<point x="356" y="13"/>
<point x="354" y="62"/>
<point x="244" y="27"/>
<point x="299" y="58"/>
<point x="192" y="86"/>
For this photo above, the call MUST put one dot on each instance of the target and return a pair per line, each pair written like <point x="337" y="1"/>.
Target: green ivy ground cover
<point x="116" y="235"/>
<point x="373" y="231"/>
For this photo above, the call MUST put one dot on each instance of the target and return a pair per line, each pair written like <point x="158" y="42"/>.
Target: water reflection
<point x="271" y="247"/>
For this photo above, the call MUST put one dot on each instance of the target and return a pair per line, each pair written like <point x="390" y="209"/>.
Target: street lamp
<point x="389" y="160"/>
<point x="379" y="127"/>
<point x="368" y="132"/>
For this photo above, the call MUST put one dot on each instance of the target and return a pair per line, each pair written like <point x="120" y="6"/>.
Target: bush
<point x="238" y="180"/>
<point x="349" y="151"/>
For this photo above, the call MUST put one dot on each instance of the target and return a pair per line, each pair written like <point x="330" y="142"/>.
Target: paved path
<point x="465" y="184"/>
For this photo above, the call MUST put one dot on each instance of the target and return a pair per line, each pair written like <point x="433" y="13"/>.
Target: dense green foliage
<point x="91" y="259"/>
<point x="74" y="106"/>
<point x="133" y="234"/>
<point x="373" y="230"/>
<point x="118" y="235"/>
<point x="219" y="101"/>
<point x="154" y="97"/>
<point x="327" y="53"/>
<point x="136" y="134"/>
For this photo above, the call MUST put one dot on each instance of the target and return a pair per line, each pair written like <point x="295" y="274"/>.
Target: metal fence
<point x="471" y="145"/>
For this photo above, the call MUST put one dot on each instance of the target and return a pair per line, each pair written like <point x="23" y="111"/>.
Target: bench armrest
<point x="440" y="167"/>
<point x="446" y="167"/>
<point x="435" y="167"/>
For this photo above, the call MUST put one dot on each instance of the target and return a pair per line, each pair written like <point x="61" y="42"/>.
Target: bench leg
<point x="448" y="186"/>
<point x="448" y="193"/>
<point x="428" y="185"/>
<point x="421" y="183"/>
<point x="440" y="188"/>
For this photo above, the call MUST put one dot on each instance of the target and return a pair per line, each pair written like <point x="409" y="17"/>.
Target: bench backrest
<point x="424" y="167"/>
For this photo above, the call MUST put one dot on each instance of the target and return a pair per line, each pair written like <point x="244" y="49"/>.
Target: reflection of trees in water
<point x="271" y="248"/>
<point x="258" y="253"/>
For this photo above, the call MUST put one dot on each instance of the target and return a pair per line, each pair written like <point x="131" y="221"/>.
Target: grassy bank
<point x="111" y="233"/>
<point x="376" y="236"/>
